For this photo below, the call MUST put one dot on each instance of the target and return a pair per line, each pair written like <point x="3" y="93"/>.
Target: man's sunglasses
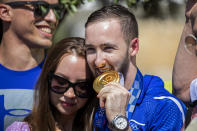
<point x="60" y="85"/>
<point x="41" y="8"/>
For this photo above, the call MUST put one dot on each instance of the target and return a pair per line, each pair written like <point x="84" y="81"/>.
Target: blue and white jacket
<point x="156" y="109"/>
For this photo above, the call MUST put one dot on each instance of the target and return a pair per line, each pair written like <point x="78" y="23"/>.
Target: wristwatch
<point x="120" y="122"/>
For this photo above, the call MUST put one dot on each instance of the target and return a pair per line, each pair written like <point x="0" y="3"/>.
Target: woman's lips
<point x="67" y="104"/>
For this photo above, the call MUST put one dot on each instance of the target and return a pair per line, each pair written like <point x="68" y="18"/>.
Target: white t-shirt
<point x="193" y="90"/>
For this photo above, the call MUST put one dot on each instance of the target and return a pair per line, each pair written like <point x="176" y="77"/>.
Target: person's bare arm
<point x="185" y="65"/>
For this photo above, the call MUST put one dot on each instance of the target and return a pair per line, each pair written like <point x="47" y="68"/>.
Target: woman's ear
<point x="5" y="12"/>
<point x="134" y="46"/>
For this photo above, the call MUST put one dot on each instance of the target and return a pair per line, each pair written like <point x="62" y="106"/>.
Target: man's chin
<point x="47" y="44"/>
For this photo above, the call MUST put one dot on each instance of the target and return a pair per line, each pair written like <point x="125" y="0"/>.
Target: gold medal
<point x="104" y="78"/>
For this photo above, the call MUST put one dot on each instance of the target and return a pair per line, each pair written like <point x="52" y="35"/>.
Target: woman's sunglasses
<point x="41" y="8"/>
<point x="60" y="85"/>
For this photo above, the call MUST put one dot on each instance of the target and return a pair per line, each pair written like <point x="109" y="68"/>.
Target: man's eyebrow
<point x="109" y="44"/>
<point x="106" y="44"/>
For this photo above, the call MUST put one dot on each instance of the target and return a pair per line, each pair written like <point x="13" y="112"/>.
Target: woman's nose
<point x="70" y="93"/>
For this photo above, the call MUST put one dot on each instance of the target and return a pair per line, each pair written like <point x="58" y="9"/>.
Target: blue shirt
<point x="16" y="94"/>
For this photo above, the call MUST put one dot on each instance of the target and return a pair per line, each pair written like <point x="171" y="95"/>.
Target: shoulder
<point x="161" y="99"/>
<point x="18" y="126"/>
<point x="151" y="81"/>
<point x="155" y="90"/>
<point x="154" y="87"/>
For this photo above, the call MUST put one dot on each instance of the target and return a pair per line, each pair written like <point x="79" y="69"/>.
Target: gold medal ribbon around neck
<point x="104" y="78"/>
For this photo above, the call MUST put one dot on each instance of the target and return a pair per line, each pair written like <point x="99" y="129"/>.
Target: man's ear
<point x="134" y="46"/>
<point x="5" y="12"/>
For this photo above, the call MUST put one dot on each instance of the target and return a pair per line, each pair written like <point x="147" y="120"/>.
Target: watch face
<point x="121" y="123"/>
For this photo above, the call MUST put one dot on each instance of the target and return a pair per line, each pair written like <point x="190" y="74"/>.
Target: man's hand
<point x="114" y="98"/>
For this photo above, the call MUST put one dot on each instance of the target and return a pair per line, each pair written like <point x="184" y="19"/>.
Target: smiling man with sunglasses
<point x="28" y="27"/>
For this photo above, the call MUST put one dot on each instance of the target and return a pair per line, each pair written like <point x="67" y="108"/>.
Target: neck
<point x="18" y="56"/>
<point x="129" y="76"/>
<point x="64" y="122"/>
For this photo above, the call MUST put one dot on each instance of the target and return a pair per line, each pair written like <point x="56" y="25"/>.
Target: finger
<point x="109" y="90"/>
<point x="106" y="89"/>
<point x="102" y="102"/>
<point x="114" y="84"/>
<point x="128" y="98"/>
<point x="113" y="88"/>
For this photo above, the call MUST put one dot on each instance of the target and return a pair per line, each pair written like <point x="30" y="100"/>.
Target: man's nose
<point x="100" y="60"/>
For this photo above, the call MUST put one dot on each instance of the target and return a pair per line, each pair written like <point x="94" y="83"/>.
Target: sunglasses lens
<point x="58" y="89"/>
<point x="59" y="12"/>
<point x="82" y="89"/>
<point x="58" y="84"/>
<point x="41" y="10"/>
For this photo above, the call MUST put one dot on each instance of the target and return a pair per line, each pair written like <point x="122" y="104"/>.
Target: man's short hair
<point x="127" y="19"/>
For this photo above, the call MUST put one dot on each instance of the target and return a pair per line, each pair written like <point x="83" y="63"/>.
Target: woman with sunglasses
<point x="64" y="97"/>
